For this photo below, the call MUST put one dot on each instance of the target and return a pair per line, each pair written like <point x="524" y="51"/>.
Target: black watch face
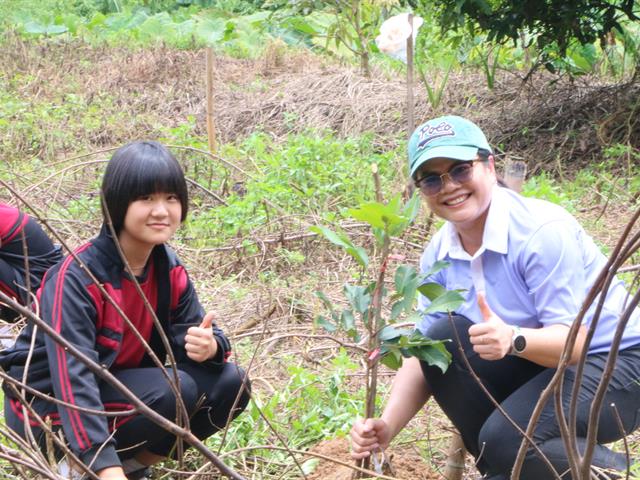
<point x="519" y="343"/>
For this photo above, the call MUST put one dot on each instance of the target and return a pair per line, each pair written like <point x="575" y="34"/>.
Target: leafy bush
<point x="309" y="407"/>
<point x="306" y="175"/>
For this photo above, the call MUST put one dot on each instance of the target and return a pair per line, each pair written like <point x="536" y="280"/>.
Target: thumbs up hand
<point x="199" y="341"/>
<point x="491" y="339"/>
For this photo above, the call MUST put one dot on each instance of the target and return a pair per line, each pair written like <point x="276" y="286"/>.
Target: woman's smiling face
<point x="466" y="204"/>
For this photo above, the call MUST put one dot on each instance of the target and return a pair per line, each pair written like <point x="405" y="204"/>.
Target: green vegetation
<point x="65" y="103"/>
<point x="302" y="177"/>
<point x="608" y="44"/>
<point x="310" y="406"/>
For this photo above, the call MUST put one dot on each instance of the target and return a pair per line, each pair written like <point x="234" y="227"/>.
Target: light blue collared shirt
<point x="536" y="266"/>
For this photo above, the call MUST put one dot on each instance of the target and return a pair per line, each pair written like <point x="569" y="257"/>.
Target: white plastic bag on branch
<point x="394" y="33"/>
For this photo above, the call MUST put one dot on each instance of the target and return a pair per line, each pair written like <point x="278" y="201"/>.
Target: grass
<point x="288" y="184"/>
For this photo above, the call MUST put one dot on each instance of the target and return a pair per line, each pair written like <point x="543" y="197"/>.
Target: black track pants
<point x="208" y="396"/>
<point x="517" y="384"/>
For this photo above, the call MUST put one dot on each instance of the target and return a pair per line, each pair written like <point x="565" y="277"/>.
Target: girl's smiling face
<point x="466" y="204"/>
<point x="151" y="220"/>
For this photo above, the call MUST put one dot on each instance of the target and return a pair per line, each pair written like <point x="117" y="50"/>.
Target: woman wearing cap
<point x="525" y="267"/>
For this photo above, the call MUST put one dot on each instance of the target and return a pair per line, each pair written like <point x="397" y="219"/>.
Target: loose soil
<point x="407" y="465"/>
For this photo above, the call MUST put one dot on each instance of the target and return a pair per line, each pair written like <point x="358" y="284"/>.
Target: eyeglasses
<point x="459" y="173"/>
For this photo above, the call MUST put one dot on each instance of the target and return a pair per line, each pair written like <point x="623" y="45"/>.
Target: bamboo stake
<point x="211" y="126"/>
<point x="410" y="115"/>
<point x="410" y="119"/>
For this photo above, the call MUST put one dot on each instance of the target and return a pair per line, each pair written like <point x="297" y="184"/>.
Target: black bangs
<point x="138" y="169"/>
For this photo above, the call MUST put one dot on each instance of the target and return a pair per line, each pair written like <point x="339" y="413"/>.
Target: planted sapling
<point x="372" y="316"/>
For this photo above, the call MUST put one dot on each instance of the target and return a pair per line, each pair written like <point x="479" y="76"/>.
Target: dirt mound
<point x="407" y="464"/>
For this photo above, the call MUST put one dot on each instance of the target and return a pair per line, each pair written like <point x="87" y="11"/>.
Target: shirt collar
<point x="496" y="230"/>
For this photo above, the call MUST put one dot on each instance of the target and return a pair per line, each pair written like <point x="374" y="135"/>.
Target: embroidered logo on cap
<point x="430" y="133"/>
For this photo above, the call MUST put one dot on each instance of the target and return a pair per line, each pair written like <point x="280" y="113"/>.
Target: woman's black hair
<point x="484" y="154"/>
<point x="137" y="169"/>
<point x="484" y="157"/>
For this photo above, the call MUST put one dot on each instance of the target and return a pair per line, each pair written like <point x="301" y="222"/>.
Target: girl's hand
<point x="200" y="343"/>
<point x="369" y="435"/>
<point x="491" y="339"/>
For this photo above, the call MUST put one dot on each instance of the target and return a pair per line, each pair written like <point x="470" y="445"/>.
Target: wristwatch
<point x="518" y="342"/>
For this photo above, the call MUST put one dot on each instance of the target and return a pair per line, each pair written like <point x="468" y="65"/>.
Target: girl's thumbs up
<point x="207" y="321"/>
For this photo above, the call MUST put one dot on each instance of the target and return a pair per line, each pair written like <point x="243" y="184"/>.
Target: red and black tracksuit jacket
<point x="41" y="253"/>
<point x="74" y="306"/>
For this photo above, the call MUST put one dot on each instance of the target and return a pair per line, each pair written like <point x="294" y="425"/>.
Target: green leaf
<point x="347" y="321"/>
<point x="360" y="255"/>
<point x="392" y="359"/>
<point x="327" y="303"/>
<point x="447" y="302"/>
<point x="300" y="24"/>
<point x="333" y="237"/>
<point x="389" y="333"/>
<point x="211" y="30"/>
<point x="380" y="235"/>
<point x="229" y="31"/>
<point x="396" y="309"/>
<point x="37" y="28"/>
<point x="406" y="278"/>
<point x="377" y="214"/>
<point x="393" y="217"/>
<point x="435" y="268"/>
<point x="435" y="355"/>
<point x="431" y="290"/>
<point x="341" y="240"/>
<point x="323" y="322"/>
<point x="407" y="213"/>
<point x="358" y="297"/>
<point x="406" y="282"/>
<point x="412" y="207"/>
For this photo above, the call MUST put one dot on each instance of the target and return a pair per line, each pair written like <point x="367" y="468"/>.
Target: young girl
<point x="17" y="280"/>
<point x="145" y="194"/>
<point x="526" y="266"/>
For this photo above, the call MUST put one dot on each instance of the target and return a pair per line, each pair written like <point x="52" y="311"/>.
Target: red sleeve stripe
<point x="16" y="407"/>
<point x="8" y="291"/>
<point x="107" y="342"/>
<point x="119" y="421"/>
<point x="63" y="374"/>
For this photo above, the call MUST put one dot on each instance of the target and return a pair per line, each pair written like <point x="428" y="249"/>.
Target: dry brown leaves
<point x="545" y="121"/>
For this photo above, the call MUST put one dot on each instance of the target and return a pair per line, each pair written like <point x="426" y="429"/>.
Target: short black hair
<point x="137" y="169"/>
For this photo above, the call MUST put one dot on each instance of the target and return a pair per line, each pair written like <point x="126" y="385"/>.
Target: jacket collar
<point x="106" y="244"/>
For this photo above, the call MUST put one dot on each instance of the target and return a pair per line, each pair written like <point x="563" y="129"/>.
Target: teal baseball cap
<point x="445" y="137"/>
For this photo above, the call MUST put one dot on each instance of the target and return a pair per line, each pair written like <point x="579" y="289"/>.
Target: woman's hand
<point x="200" y="343"/>
<point x="491" y="339"/>
<point x="368" y="435"/>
